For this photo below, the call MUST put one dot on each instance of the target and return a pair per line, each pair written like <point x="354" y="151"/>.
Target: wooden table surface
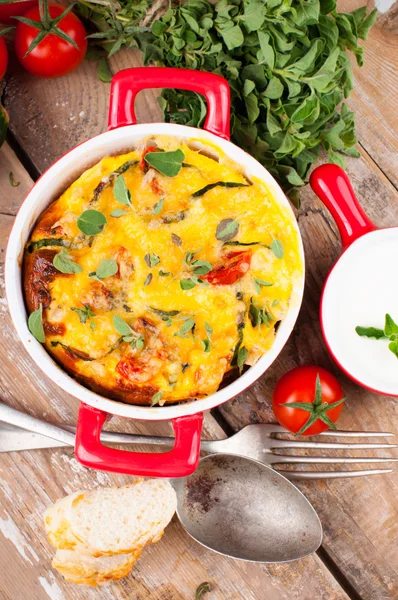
<point x="359" y="555"/>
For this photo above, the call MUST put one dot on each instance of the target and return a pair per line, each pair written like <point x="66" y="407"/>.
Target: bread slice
<point x="111" y="520"/>
<point x="88" y="570"/>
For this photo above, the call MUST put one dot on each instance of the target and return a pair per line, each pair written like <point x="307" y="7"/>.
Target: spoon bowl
<point x="243" y="509"/>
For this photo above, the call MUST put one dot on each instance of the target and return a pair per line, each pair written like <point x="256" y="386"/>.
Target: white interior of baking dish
<point x="52" y="183"/>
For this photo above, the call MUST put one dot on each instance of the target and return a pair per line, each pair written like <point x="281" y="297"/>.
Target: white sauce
<point x="360" y="291"/>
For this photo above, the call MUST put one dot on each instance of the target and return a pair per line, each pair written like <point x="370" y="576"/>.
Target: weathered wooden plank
<point x="30" y="481"/>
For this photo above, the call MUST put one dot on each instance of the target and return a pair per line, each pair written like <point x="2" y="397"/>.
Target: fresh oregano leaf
<point x="118" y="212"/>
<point x="202" y="589"/>
<point x="148" y="279"/>
<point x="371" y="332"/>
<point x="158" y="207"/>
<point x="121" y="326"/>
<point x="35" y="324"/>
<point x="211" y="186"/>
<point x="242" y="356"/>
<point x="176" y="239"/>
<point x="260" y="282"/>
<point x="187" y="284"/>
<point x="227" y="229"/>
<point x="156" y="398"/>
<point x="206" y="345"/>
<point x="277" y="248"/>
<point x="91" y="222"/>
<point x="107" y="268"/>
<point x="201" y="267"/>
<point x="63" y="262"/>
<point x="390" y="326"/>
<point x="84" y="314"/>
<point x="166" y="163"/>
<point x="151" y="259"/>
<point x="120" y="191"/>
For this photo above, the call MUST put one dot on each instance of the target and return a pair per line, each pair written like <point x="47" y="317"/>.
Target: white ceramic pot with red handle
<point x="361" y="288"/>
<point x="123" y="133"/>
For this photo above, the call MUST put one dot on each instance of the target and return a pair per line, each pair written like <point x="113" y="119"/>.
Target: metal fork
<point x="259" y="441"/>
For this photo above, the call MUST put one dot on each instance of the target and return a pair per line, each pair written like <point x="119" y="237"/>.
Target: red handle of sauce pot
<point x="181" y="461"/>
<point x="331" y="184"/>
<point x="127" y="83"/>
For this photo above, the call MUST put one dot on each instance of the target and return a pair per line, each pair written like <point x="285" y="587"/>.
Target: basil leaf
<point x="201" y="267"/>
<point x="63" y="262"/>
<point x="187" y="284"/>
<point x="120" y="191"/>
<point x="118" y="212"/>
<point x="277" y="248"/>
<point x="151" y="259"/>
<point x="390" y="326"/>
<point x="166" y="163"/>
<point x="158" y="207"/>
<point x="91" y="222"/>
<point x="242" y="356"/>
<point x="227" y="229"/>
<point x="121" y="326"/>
<point x="371" y="332"/>
<point x="35" y="324"/>
<point x="84" y="314"/>
<point x="156" y="398"/>
<point x="206" y="345"/>
<point x="260" y="282"/>
<point x="211" y="186"/>
<point x="107" y="268"/>
<point x="393" y="346"/>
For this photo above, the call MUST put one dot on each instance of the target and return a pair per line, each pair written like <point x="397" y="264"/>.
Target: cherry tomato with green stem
<point x="3" y="55"/>
<point x="308" y="400"/>
<point x="50" y="41"/>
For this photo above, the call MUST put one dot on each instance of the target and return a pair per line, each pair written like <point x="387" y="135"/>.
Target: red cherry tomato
<point x="235" y="265"/>
<point x="53" y="57"/>
<point x="3" y="57"/>
<point x="300" y="386"/>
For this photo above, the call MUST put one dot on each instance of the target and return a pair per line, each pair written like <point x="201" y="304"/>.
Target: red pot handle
<point x="127" y="83"/>
<point x="332" y="186"/>
<point x="181" y="461"/>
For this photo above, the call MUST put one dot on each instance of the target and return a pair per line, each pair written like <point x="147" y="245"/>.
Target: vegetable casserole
<point x="160" y="271"/>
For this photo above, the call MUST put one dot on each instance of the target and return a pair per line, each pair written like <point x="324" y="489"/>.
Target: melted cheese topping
<point x="173" y="363"/>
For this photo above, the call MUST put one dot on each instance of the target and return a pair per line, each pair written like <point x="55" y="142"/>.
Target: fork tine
<point x="330" y="474"/>
<point x="342" y="433"/>
<point x="286" y="459"/>
<point x="333" y="445"/>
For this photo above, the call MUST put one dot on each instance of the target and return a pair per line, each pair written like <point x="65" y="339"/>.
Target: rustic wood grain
<point x="359" y="516"/>
<point x="31" y="481"/>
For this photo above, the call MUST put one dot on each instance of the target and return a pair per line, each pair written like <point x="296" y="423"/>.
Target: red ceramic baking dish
<point x="123" y="132"/>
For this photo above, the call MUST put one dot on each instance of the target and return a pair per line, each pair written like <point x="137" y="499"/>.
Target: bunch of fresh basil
<point x="287" y="65"/>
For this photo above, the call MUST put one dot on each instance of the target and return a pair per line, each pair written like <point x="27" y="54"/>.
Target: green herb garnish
<point x="84" y="314"/>
<point x="206" y="345"/>
<point x="12" y="180"/>
<point x="107" y="268"/>
<point x="158" y="207"/>
<point x="35" y="324"/>
<point x="259" y="316"/>
<point x="260" y="282"/>
<point x="390" y="332"/>
<point x="63" y="262"/>
<point x="277" y="248"/>
<point x="164" y="273"/>
<point x="166" y="163"/>
<point x="91" y="222"/>
<point x="121" y="193"/>
<point x="118" y="212"/>
<point x="151" y="259"/>
<point x="227" y="229"/>
<point x="148" y="279"/>
<point x="136" y="340"/>
<point x="156" y="398"/>
<point x="242" y="356"/>
<point x="32" y="246"/>
<point x="210" y="186"/>
<point x="176" y="239"/>
<point x="190" y="282"/>
<point x="188" y="325"/>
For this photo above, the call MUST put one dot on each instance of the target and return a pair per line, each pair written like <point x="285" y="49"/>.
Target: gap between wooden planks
<point x="30" y="481"/>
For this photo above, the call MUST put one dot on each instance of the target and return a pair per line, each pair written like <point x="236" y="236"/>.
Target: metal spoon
<point x="241" y="508"/>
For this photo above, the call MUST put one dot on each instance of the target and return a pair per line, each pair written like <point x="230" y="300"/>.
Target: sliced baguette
<point x="113" y="520"/>
<point x="88" y="570"/>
